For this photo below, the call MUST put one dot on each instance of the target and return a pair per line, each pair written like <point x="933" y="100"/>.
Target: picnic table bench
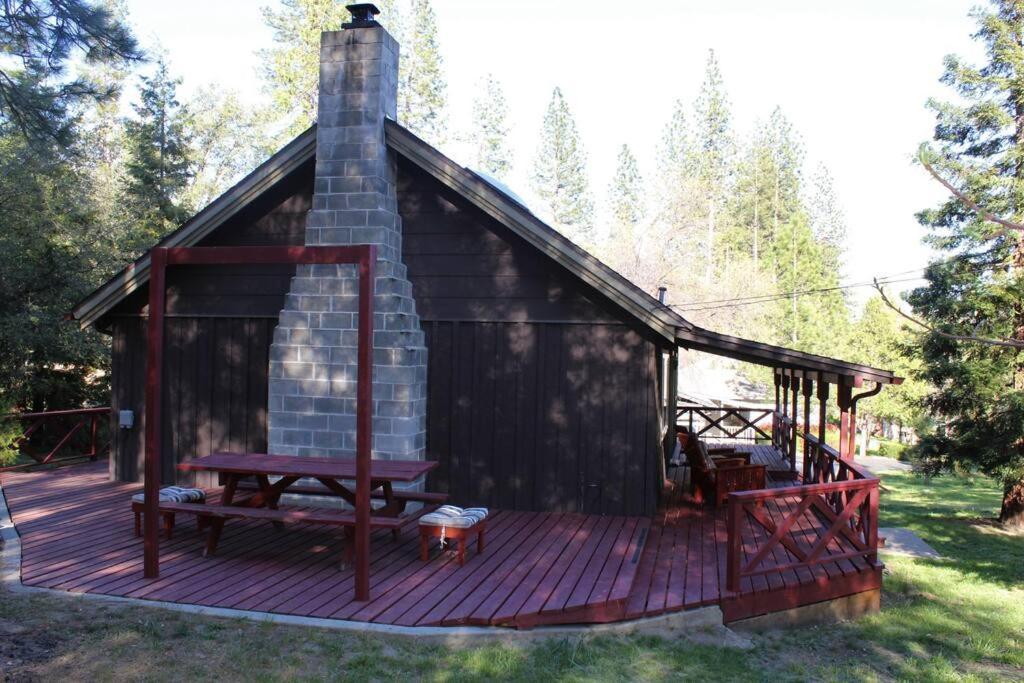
<point x="330" y="473"/>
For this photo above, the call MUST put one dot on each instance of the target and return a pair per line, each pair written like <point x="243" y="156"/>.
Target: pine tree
<point x="978" y="290"/>
<point x="811" y="322"/>
<point x="627" y="211"/>
<point x="676" y="193"/>
<point x="490" y="130"/>
<point x="712" y="154"/>
<point x="159" y="167"/>
<point x="560" y="172"/>
<point x="767" y="195"/>
<point x="38" y="42"/>
<point x="625" y="194"/>
<point x="292" y="66"/>
<point x="880" y="338"/>
<point x="423" y="90"/>
<point x="827" y="218"/>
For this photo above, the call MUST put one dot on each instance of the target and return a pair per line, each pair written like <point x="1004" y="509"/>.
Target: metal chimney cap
<point x="362" y="15"/>
<point x="661" y="294"/>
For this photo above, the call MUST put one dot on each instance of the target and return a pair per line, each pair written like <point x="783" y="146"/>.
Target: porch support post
<point x="844" y="397"/>
<point x="672" y="402"/>
<point x="783" y="427"/>
<point x="812" y="464"/>
<point x="808" y="387"/>
<point x="796" y="421"/>
<point x="777" y="376"/>
<point x="364" y="421"/>
<point x="154" y="413"/>
<point x="853" y="416"/>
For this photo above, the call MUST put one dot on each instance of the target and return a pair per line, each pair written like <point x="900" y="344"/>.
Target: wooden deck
<point x="539" y="568"/>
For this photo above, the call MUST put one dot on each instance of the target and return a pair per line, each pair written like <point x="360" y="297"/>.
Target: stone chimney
<point x="312" y="407"/>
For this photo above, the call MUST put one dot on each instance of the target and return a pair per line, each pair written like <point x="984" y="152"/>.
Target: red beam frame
<point x="364" y="256"/>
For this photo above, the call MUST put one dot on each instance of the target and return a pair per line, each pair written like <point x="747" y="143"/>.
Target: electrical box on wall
<point x="126" y="419"/>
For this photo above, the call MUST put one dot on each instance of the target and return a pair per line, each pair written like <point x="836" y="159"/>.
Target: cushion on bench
<point x="455" y="517"/>
<point x="175" y="494"/>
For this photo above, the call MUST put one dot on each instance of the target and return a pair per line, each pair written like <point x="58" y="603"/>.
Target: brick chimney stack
<point x="313" y="355"/>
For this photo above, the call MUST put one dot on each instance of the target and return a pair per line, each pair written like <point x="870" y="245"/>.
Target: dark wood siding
<point x="220" y="322"/>
<point x="541" y="396"/>
<point x="541" y="393"/>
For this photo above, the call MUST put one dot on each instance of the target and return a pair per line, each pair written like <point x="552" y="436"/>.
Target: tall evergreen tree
<point x="625" y="194"/>
<point x="675" y="191"/>
<point x="490" y="130"/>
<point x="423" y="90"/>
<point x="560" y="172"/>
<point x="979" y="289"/>
<point x="292" y="66"/>
<point x="51" y="255"/>
<point x="712" y="154"/>
<point x="38" y="42"/>
<point x="626" y="205"/>
<point x="828" y="220"/>
<point x="880" y="338"/>
<point x="159" y="167"/>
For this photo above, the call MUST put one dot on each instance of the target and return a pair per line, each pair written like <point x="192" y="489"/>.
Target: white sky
<point x="853" y="77"/>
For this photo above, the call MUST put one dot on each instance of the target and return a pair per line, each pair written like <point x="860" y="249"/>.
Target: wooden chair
<point x="717" y="477"/>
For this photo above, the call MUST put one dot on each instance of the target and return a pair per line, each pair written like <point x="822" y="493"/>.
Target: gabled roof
<point x="510" y="212"/>
<point x="289" y="158"/>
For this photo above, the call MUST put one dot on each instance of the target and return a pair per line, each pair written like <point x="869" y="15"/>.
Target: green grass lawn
<point x="954" y="619"/>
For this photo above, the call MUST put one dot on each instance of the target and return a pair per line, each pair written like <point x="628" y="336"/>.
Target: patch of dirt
<point x="21" y="648"/>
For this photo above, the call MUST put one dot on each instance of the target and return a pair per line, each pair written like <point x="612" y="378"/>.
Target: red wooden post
<point x="796" y="423"/>
<point x="776" y="374"/>
<point x="870" y="522"/>
<point x="808" y="387"/>
<point x="364" y="422"/>
<point x="92" y="437"/>
<point x="735" y="526"/>
<point x="822" y="423"/>
<point x="154" y="372"/>
<point x="844" y="397"/>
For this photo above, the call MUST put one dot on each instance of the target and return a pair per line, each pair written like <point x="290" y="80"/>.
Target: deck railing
<point x="45" y="434"/>
<point x="842" y="496"/>
<point x="724" y="423"/>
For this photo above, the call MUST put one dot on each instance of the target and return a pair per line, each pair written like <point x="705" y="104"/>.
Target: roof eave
<point x="779" y="356"/>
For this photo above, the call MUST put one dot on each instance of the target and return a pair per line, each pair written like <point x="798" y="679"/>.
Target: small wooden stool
<point x="451" y="523"/>
<point x="175" y="493"/>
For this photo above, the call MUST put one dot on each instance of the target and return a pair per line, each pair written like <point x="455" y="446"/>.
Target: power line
<point x="780" y="296"/>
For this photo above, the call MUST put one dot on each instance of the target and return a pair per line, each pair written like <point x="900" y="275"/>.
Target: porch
<point x="766" y="551"/>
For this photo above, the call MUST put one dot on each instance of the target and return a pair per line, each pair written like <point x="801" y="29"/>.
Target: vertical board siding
<point x="220" y="321"/>
<point x="501" y="444"/>
<point x="205" y="411"/>
<point x="541" y="393"/>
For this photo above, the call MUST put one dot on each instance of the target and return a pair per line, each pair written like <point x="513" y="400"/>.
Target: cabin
<point x="537" y="376"/>
<point x="541" y="382"/>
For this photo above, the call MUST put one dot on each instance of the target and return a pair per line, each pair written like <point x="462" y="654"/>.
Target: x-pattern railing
<point x="835" y="511"/>
<point x="61" y="425"/>
<point x="731" y="422"/>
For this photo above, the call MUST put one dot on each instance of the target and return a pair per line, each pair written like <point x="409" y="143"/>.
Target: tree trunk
<point x="1012" y="512"/>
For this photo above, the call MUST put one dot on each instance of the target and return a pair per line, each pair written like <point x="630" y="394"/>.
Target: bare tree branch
<point x="1007" y="343"/>
<point x="971" y="204"/>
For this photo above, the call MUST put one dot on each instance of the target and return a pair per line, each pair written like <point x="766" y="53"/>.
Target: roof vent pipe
<point x="661" y="294"/>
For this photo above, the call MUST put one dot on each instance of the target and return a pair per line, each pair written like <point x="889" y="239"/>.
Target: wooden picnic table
<point x="329" y="472"/>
